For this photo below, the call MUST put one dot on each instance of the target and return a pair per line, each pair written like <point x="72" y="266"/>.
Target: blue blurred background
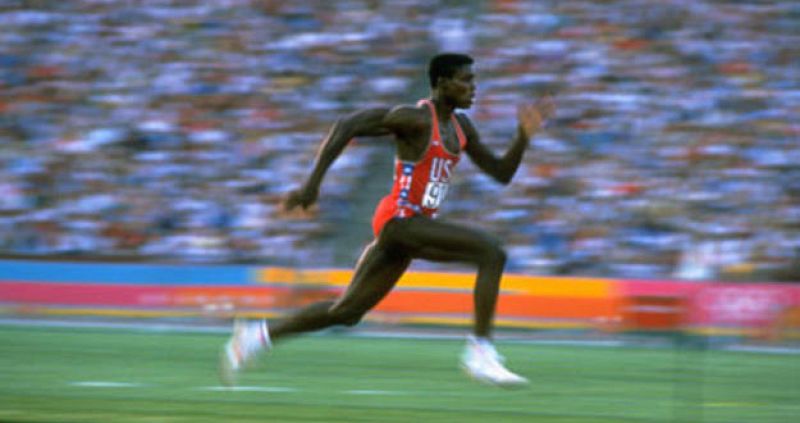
<point x="168" y="130"/>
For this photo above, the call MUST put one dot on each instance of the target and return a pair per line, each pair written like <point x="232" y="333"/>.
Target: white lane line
<point x="247" y="389"/>
<point x="105" y="384"/>
<point x="272" y="389"/>
<point x="762" y="349"/>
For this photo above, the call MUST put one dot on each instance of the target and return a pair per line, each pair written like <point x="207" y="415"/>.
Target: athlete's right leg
<point x="441" y="241"/>
<point x="437" y="240"/>
<point x="377" y="271"/>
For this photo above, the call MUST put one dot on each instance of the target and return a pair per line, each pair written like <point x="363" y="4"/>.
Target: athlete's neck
<point x="443" y="109"/>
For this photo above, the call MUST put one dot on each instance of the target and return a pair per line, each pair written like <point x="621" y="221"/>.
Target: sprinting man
<point x="429" y="138"/>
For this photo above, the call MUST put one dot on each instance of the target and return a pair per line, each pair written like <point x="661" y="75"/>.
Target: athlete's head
<point x="452" y="79"/>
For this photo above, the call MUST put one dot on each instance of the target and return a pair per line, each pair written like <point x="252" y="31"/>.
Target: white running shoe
<point x="249" y="338"/>
<point x="482" y="362"/>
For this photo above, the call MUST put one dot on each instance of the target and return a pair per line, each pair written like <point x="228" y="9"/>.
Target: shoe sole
<point x="486" y="381"/>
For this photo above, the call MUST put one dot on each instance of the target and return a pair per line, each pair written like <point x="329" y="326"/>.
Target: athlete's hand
<point x="303" y="197"/>
<point x="532" y="116"/>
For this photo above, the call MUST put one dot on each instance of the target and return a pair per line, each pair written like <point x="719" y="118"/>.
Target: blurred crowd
<point x="169" y="130"/>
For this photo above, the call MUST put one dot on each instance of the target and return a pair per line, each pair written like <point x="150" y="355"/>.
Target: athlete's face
<point x="460" y="89"/>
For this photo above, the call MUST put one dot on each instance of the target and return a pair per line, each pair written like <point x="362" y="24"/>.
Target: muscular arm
<point x="401" y="121"/>
<point x="364" y="123"/>
<point x="502" y="169"/>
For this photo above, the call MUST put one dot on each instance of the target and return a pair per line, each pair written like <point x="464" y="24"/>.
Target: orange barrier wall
<point x="152" y="290"/>
<point x="431" y="297"/>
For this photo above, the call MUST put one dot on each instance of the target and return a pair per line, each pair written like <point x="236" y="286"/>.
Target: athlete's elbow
<point x="504" y="178"/>
<point x="342" y="131"/>
<point x="343" y="125"/>
<point x="349" y="123"/>
<point x="499" y="173"/>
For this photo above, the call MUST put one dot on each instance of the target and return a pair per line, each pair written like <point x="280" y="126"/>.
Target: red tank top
<point x="420" y="187"/>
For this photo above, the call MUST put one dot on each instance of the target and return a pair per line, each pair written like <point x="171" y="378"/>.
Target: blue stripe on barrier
<point x="125" y="273"/>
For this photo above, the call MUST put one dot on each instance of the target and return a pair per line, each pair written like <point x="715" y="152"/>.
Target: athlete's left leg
<point x="378" y="269"/>
<point x="375" y="275"/>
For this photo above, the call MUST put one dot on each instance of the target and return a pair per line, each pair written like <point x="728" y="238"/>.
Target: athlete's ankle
<point x="480" y="339"/>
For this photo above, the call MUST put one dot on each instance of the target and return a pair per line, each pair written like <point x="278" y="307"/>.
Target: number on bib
<point x="435" y="192"/>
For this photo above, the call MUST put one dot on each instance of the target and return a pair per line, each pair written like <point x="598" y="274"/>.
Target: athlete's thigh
<point x="431" y="239"/>
<point x="376" y="273"/>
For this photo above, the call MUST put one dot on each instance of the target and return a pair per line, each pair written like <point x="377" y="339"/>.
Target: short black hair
<point x="445" y="65"/>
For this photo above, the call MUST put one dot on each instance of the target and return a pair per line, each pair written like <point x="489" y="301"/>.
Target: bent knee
<point x="494" y="253"/>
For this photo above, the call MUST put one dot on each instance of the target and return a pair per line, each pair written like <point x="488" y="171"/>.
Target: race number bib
<point x="435" y="192"/>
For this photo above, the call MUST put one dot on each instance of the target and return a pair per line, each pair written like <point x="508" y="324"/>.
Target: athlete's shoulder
<point x="408" y="116"/>
<point x="408" y="110"/>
